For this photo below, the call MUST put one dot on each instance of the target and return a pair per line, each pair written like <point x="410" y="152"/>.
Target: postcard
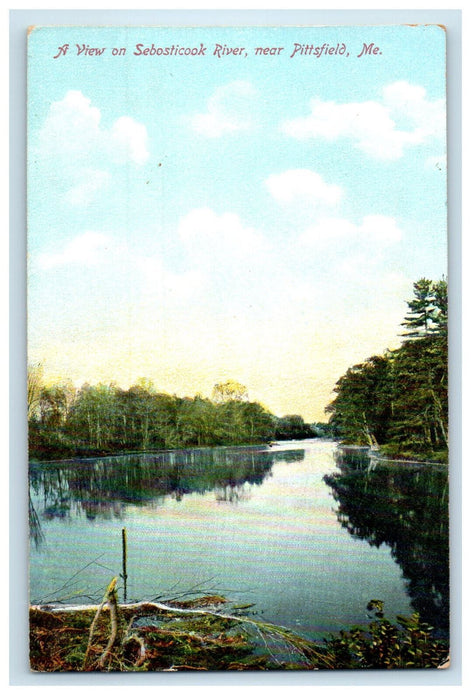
<point x="237" y="348"/>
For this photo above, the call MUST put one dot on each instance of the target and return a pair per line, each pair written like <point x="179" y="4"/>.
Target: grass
<point x="149" y="640"/>
<point x="204" y="635"/>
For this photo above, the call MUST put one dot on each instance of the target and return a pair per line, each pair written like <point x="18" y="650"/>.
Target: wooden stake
<point x="125" y="556"/>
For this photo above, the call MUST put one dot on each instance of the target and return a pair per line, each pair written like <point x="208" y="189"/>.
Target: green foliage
<point x="407" y="644"/>
<point x="186" y="640"/>
<point x="363" y="407"/>
<point x="104" y="419"/>
<point x="293" y="427"/>
<point x="428" y="311"/>
<point x="400" y="400"/>
<point x="230" y="391"/>
<point x="420" y="396"/>
<point x="322" y="430"/>
<point x="34" y="384"/>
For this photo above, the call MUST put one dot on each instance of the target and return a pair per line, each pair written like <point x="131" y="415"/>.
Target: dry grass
<point x="194" y="637"/>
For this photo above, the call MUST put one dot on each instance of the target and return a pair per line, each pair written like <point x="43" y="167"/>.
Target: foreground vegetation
<point x="203" y="635"/>
<point x="399" y="400"/>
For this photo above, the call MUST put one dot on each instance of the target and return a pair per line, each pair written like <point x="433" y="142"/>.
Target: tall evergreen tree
<point x="440" y="291"/>
<point x="420" y="319"/>
<point x="401" y="400"/>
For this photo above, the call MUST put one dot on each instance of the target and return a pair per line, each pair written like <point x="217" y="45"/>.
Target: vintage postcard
<point x="237" y="348"/>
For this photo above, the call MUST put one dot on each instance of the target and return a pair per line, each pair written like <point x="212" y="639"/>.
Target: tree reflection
<point x="35" y="530"/>
<point x="101" y="488"/>
<point x="231" y="493"/>
<point x="405" y="506"/>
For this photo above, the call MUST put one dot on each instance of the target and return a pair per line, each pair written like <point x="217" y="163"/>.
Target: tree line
<point x="106" y="419"/>
<point x="399" y="400"/>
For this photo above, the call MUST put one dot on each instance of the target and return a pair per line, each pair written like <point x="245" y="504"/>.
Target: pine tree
<point x="401" y="399"/>
<point x="420" y="319"/>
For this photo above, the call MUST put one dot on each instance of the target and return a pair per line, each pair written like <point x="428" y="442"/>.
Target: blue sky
<point x="193" y="219"/>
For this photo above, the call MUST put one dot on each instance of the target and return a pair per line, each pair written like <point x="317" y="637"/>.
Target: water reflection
<point x="35" y="530"/>
<point x="101" y="488"/>
<point x="404" y="505"/>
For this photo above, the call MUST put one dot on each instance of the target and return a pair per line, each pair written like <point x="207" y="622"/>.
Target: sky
<point x="252" y="216"/>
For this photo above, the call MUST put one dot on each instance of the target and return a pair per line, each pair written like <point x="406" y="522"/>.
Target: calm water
<point x="307" y="537"/>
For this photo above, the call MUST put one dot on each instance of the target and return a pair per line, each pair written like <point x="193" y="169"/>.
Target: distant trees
<point x="33" y="390"/>
<point x="230" y="391"/>
<point x="292" y="427"/>
<point x="105" y="419"/>
<point x="400" y="399"/>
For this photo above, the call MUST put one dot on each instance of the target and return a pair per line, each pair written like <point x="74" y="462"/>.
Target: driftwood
<point x="266" y="632"/>
<point x="109" y="599"/>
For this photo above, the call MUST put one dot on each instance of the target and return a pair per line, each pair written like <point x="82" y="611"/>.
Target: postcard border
<point x="19" y="22"/>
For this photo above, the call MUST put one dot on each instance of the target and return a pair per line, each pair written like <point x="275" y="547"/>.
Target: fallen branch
<point x="109" y="596"/>
<point x="113" y="606"/>
<point x="265" y="631"/>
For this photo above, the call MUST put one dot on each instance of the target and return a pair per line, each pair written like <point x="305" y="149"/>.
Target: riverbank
<point x="387" y="452"/>
<point x="208" y="634"/>
<point x="393" y="453"/>
<point x="204" y="634"/>
<point x="90" y="454"/>
<point x="397" y="452"/>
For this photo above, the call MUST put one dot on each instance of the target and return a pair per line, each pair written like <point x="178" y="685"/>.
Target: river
<point x="305" y="535"/>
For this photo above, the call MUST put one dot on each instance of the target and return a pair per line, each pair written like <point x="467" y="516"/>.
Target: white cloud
<point x="73" y="129"/>
<point x="302" y="185"/>
<point x="88" y="248"/>
<point x="382" y="129"/>
<point x="229" y="110"/>
<point x="204" y="230"/>
<point x="427" y="117"/>
<point x="72" y="124"/>
<point x="128" y="141"/>
<point x="372" y="230"/>
<point x="76" y="152"/>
